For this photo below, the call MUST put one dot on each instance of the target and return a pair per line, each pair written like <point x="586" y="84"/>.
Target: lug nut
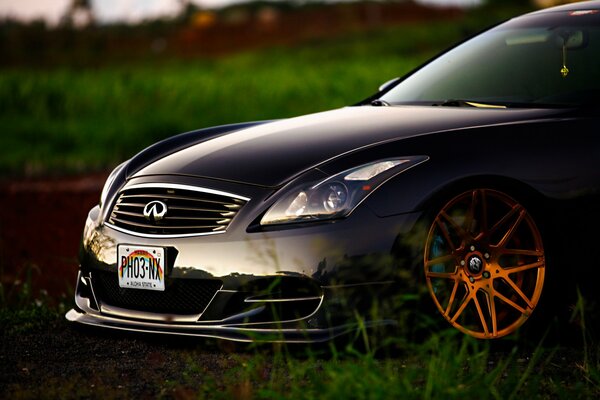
<point x="471" y="279"/>
<point x="472" y="248"/>
<point x="486" y="274"/>
<point x="462" y="263"/>
<point x="486" y="255"/>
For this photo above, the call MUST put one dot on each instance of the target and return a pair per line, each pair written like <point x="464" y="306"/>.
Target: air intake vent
<point x="174" y="210"/>
<point x="181" y="296"/>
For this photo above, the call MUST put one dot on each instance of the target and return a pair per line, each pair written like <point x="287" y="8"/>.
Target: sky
<point x="126" y="10"/>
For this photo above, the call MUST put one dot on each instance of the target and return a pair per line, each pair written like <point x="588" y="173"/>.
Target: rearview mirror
<point x="571" y="38"/>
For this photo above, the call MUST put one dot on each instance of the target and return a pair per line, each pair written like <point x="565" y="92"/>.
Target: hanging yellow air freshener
<point x="564" y="71"/>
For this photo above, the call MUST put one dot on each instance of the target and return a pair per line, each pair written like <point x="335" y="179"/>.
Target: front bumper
<point x="306" y="284"/>
<point x="298" y="331"/>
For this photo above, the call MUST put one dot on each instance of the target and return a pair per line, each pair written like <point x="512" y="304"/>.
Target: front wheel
<point x="484" y="263"/>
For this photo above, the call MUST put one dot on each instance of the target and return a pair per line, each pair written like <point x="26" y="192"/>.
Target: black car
<point x="474" y="179"/>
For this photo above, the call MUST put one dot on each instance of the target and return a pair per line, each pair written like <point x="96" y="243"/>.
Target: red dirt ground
<point x="41" y="222"/>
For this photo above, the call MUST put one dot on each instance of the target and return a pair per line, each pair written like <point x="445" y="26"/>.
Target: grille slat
<point x="190" y="210"/>
<point x="129" y="213"/>
<point x="135" y="205"/>
<point x="200" y="209"/>
<point x="154" y="227"/>
<point x="181" y="296"/>
<point x="232" y="202"/>
<point x="172" y="219"/>
<point x="194" y="219"/>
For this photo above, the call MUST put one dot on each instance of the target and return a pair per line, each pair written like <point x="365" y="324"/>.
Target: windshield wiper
<point x="467" y="103"/>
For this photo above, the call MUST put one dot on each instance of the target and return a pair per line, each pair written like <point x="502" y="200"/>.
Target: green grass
<point x="443" y="365"/>
<point x="446" y="366"/>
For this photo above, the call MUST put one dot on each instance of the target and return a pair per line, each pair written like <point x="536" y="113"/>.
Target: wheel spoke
<point x="481" y="317"/>
<point x="459" y="230"/>
<point x="470" y="216"/>
<point x="440" y="260"/>
<point x="505" y="218"/>
<point x="446" y="234"/>
<point x="492" y="309"/>
<point x="452" y="296"/>
<point x="518" y="290"/>
<point x="525" y="267"/>
<point x="462" y="307"/>
<point x="511" y="231"/>
<point x="521" y="252"/>
<point x="510" y="303"/>
<point x="442" y="275"/>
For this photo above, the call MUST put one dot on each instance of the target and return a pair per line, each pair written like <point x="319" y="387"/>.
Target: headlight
<point x="338" y="195"/>
<point x="109" y="182"/>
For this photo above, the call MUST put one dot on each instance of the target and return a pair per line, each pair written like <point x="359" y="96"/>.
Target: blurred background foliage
<point x="82" y="96"/>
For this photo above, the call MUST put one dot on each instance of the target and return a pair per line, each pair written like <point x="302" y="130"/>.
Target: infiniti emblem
<point x="155" y="210"/>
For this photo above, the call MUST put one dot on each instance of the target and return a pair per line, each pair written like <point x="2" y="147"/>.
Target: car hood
<point x="271" y="154"/>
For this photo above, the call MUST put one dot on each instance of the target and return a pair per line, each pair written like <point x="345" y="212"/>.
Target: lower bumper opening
<point x="180" y="297"/>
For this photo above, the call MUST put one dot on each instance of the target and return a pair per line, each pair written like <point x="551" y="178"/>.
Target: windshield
<point x="550" y="59"/>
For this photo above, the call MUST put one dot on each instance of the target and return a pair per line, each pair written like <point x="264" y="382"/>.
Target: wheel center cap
<point x="475" y="265"/>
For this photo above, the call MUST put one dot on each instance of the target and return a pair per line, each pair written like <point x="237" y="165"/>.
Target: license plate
<point x="141" y="267"/>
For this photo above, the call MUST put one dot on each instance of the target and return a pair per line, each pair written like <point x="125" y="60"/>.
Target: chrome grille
<point x="190" y="210"/>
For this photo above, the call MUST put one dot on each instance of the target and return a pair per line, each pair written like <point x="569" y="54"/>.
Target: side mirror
<point x="388" y="84"/>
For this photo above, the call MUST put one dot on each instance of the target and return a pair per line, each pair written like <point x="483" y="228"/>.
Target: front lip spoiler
<point x="234" y="333"/>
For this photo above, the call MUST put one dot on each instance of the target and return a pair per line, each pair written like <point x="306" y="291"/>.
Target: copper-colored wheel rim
<point x="484" y="263"/>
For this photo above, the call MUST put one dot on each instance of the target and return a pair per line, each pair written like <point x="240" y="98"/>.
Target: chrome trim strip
<point x="220" y="321"/>
<point x="95" y="298"/>
<point x="154" y="236"/>
<point x="283" y="300"/>
<point x="357" y="284"/>
<point x="210" y="302"/>
<point x="144" y="315"/>
<point x="183" y="187"/>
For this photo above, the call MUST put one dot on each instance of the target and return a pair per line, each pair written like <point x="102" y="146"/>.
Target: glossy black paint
<point x="298" y="144"/>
